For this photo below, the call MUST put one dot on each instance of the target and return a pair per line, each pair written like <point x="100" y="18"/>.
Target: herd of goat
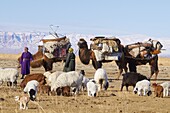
<point x="70" y="83"/>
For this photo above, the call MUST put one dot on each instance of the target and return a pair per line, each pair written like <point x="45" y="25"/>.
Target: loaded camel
<point x="41" y="59"/>
<point x="143" y="53"/>
<point x="86" y="55"/>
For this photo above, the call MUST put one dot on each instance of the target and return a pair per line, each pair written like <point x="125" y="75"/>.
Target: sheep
<point x="100" y="77"/>
<point x="158" y="90"/>
<point x="130" y="79"/>
<point x="166" y="87"/>
<point x="31" y="89"/>
<point x="72" y="79"/>
<point x="35" y="76"/>
<point x="92" y="88"/>
<point x="143" y="86"/>
<point x="23" y="100"/>
<point x="51" y="77"/>
<point x="9" y="75"/>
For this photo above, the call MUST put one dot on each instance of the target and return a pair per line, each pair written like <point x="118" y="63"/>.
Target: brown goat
<point x="158" y="90"/>
<point x="36" y="76"/>
<point x="44" y="89"/>
<point x="64" y="91"/>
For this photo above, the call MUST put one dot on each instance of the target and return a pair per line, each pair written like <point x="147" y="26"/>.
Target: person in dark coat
<point x="25" y="60"/>
<point x="70" y="61"/>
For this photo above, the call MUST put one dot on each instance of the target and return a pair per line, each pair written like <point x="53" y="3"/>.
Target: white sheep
<point x="52" y="77"/>
<point x="166" y="87"/>
<point x="142" y="86"/>
<point x="9" y="75"/>
<point x="92" y="88"/>
<point x="101" y="79"/>
<point x="72" y="79"/>
<point x="31" y="89"/>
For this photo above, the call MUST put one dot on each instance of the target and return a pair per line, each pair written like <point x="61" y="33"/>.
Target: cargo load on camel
<point x="56" y="48"/>
<point x="106" y="48"/>
<point x="144" y="50"/>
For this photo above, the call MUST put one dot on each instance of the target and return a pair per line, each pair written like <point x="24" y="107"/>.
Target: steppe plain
<point x="110" y="101"/>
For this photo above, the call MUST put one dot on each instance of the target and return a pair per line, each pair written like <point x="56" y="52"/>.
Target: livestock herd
<point x="71" y="83"/>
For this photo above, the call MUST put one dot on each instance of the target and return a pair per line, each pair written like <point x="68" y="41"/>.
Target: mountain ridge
<point x="14" y="42"/>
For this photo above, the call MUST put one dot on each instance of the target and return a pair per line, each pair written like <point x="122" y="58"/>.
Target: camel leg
<point x="125" y="69"/>
<point x="119" y="73"/>
<point x="93" y="63"/>
<point x="96" y="64"/>
<point x="124" y="64"/>
<point x="120" y="65"/>
<point x="156" y="74"/>
<point x="152" y="72"/>
<point x="132" y="66"/>
<point x="154" y="67"/>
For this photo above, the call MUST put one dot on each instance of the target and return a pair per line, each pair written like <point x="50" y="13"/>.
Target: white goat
<point x="52" y="77"/>
<point x="31" y="89"/>
<point x="9" y="75"/>
<point x="142" y="86"/>
<point x="92" y="88"/>
<point x="166" y="87"/>
<point x="72" y="79"/>
<point x="101" y="79"/>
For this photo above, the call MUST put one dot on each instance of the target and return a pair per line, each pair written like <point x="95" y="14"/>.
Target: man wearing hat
<point x="70" y="61"/>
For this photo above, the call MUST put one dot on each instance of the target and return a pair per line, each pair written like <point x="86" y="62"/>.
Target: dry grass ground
<point x="111" y="101"/>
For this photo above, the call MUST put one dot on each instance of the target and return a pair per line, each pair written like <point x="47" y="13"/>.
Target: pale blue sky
<point x="148" y="17"/>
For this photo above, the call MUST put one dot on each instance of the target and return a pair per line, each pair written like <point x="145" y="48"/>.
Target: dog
<point x="23" y="100"/>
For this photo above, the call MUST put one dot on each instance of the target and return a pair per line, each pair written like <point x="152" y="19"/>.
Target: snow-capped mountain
<point x="14" y="42"/>
<point x="11" y="42"/>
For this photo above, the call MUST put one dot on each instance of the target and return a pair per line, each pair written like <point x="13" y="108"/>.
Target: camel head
<point x="84" y="52"/>
<point x="82" y="43"/>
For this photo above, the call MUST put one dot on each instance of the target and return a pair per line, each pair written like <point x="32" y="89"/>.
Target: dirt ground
<point x="110" y="101"/>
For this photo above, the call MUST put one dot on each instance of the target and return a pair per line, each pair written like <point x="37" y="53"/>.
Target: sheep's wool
<point x="8" y="74"/>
